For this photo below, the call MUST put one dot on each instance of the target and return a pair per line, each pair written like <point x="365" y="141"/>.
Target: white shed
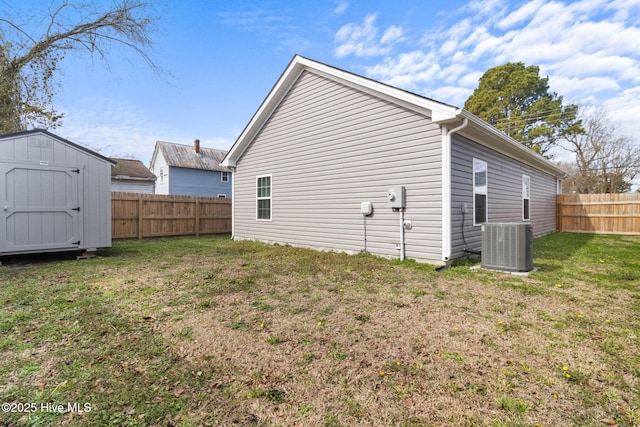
<point x="56" y="195"/>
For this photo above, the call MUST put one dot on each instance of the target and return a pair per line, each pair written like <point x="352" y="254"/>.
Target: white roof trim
<point x="440" y="113"/>
<point x="299" y="64"/>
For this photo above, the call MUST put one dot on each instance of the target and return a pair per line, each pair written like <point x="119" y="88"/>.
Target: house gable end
<point x="298" y="66"/>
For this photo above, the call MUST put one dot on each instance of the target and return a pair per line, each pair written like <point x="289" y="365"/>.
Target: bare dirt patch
<point x="434" y="351"/>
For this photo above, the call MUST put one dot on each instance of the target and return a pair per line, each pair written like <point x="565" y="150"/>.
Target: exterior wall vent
<point x="507" y="246"/>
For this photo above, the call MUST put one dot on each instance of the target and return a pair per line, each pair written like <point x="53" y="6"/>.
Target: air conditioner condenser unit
<point x="507" y="246"/>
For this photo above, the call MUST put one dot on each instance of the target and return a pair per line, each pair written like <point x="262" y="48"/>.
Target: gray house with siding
<point x="190" y="170"/>
<point x="326" y="140"/>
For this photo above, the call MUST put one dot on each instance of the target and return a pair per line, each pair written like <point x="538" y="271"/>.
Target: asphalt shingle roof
<point x="128" y="168"/>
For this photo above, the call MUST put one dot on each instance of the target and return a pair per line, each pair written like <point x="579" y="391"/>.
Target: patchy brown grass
<point x="258" y="335"/>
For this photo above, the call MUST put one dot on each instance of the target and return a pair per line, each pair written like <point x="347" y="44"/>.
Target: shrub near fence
<point x="136" y="215"/>
<point x="599" y="213"/>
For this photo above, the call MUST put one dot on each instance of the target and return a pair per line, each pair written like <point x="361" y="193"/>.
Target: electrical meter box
<point x="396" y="197"/>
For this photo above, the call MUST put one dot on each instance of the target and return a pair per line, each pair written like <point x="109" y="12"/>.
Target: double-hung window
<point x="263" y="197"/>
<point x="479" y="192"/>
<point x="224" y="176"/>
<point x="526" y="198"/>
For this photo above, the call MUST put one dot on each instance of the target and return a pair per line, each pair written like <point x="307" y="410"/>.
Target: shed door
<point x="41" y="207"/>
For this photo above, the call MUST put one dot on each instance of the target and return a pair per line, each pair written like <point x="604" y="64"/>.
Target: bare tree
<point x="29" y="61"/>
<point x="606" y="160"/>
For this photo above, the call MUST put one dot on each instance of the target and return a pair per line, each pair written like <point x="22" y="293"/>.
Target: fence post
<point x="197" y="218"/>
<point x="140" y="217"/>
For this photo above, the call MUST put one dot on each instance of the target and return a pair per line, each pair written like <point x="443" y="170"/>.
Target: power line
<point x="533" y="117"/>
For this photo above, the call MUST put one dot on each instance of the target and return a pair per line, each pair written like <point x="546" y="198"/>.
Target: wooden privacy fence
<point x="154" y="215"/>
<point x="599" y="213"/>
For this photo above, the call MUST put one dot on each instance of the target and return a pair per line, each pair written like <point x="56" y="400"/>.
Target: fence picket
<point x="599" y="213"/>
<point x="135" y="215"/>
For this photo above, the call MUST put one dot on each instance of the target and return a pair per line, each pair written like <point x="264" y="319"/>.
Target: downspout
<point x="446" y="188"/>
<point x="402" y="249"/>
<point x="233" y="200"/>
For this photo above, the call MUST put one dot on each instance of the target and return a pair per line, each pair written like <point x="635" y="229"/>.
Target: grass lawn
<point x="208" y="331"/>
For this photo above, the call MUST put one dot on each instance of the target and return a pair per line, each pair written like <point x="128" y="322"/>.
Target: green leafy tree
<point x="516" y="100"/>
<point x="30" y="54"/>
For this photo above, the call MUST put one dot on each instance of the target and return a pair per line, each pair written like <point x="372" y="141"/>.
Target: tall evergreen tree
<point x="517" y="101"/>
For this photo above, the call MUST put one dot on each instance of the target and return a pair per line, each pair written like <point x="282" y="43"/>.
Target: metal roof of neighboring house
<point x="185" y="156"/>
<point x="131" y="169"/>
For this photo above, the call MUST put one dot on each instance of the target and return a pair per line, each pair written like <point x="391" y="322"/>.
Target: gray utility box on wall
<point x="507" y="246"/>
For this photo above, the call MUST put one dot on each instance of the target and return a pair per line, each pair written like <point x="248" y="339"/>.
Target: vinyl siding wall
<point x="160" y="169"/>
<point x="504" y="194"/>
<point x="328" y="148"/>
<point x="197" y="182"/>
<point x="145" y="187"/>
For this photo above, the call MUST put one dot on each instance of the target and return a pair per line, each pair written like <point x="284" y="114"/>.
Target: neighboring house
<point x="132" y="176"/>
<point x="56" y="195"/>
<point x="325" y="140"/>
<point x="190" y="170"/>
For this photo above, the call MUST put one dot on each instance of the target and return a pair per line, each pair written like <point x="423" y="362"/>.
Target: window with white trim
<point x="479" y="192"/>
<point x="224" y="176"/>
<point x="526" y="198"/>
<point x="263" y="197"/>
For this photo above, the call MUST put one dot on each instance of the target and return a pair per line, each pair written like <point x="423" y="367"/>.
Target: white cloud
<point x="392" y="34"/>
<point x="518" y="16"/>
<point x="340" y="8"/>
<point x="583" y="86"/>
<point x="253" y="20"/>
<point x="588" y="48"/>
<point x="117" y="129"/>
<point x="470" y="79"/>
<point x="362" y="39"/>
<point x="486" y="9"/>
<point x="585" y="66"/>
<point x="407" y="70"/>
<point x="625" y="110"/>
<point x="448" y="47"/>
<point x="453" y="95"/>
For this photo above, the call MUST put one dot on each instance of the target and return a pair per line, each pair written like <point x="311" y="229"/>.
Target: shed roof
<point x="445" y="115"/>
<point x="131" y="169"/>
<point x="185" y="156"/>
<point x="59" y="138"/>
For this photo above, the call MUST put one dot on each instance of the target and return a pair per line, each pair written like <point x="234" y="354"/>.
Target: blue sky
<point x="221" y="58"/>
